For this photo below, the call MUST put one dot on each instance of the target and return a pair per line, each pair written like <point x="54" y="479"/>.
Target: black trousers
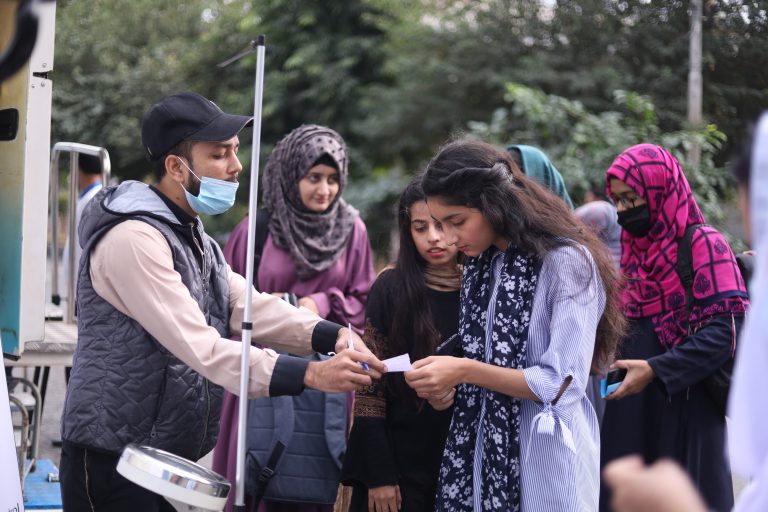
<point x="90" y="483"/>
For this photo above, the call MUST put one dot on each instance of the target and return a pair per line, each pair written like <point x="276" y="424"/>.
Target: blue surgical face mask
<point x="215" y="196"/>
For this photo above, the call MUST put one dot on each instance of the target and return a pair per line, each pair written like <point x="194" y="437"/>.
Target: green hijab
<point x="537" y="166"/>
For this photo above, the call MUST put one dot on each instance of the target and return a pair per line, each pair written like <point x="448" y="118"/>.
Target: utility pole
<point x="694" y="80"/>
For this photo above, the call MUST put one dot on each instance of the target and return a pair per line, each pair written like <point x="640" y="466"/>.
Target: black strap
<point x="685" y="263"/>
<point x="262" y="230"/>
<point x="268" y="471"/>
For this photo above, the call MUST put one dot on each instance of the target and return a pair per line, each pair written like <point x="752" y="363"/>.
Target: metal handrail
<point x="74" y="149"/>
<point x="36" y="421"/>
<point x="21" y="452"/>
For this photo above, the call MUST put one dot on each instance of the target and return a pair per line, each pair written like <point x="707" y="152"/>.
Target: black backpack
<point x="719" y="383"/>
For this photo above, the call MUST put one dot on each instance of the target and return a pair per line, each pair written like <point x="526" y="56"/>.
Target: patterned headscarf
<point x="538" y="166"/>
<point x="315" y="240"/>
<point x="601" y="217"/>
<point x="649" y="262"/>
<point x="502" y="287"/>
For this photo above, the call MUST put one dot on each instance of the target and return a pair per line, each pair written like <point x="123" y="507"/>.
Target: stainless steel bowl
<point x="174" y="477"/>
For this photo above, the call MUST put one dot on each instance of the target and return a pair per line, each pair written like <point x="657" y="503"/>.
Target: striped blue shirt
<point x="559" y="443"/>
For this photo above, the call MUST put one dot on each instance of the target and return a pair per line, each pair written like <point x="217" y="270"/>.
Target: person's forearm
<point x="334" y="304"/>
<point x="698" y="355"/>
<point x="275" y="323"/>
<point x="508" y="381"/>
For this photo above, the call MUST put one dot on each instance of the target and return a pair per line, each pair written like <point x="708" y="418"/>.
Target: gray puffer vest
<point x="125" y="386"/>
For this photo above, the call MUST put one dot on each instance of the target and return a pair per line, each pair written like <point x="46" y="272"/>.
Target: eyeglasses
<point x="625" y="202"/>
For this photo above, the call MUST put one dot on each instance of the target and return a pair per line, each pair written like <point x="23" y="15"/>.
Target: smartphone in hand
<point x="612" y="381"/>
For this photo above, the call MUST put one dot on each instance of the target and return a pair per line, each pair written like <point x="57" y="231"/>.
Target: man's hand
<point x="435" y="376"/>
<point x="639" y="375"/>
<point x="342" y="339"/>
<point x="662" y="487"/>
<point x="343" y="372"/>
<point x="384" y="499"/>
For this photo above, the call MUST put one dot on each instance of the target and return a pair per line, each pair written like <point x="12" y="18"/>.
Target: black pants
<point x="90" y="483"/>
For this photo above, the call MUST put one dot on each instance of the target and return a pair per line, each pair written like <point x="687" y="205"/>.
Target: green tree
<point x="598" y="46"/>
<point x="586" y="149"/>
<point x="112" y="60"/>
<point x="450" y="59"/>
<point x="321" y="58"/>
<point x="448" y="62"/>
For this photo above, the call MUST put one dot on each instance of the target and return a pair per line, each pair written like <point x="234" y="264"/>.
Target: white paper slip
<point x="401" y="363"/>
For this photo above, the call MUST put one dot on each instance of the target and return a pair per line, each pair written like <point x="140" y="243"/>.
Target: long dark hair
<point x="412" y="328"/>
<point x="477" y="175"/>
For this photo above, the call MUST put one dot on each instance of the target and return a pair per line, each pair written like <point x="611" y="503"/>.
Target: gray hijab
<point x="315" y="240"/>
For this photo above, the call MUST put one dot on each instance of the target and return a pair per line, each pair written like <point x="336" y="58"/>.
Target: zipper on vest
<point x="202" y="260"/>
<point x="207" y="416"/>
<point x="159" y="404"/>
<point x="199" y="248"/>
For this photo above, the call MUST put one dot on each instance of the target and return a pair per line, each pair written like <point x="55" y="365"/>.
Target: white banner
<point x="10" y="498"/>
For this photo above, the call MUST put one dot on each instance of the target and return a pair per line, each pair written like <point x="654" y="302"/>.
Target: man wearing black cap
<point x="156" y="306"/>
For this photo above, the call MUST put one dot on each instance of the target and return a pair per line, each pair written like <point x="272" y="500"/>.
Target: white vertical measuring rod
<point x="247" y="322"/>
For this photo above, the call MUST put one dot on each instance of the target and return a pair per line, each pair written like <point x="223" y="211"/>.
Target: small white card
<point x="401" y="363"/>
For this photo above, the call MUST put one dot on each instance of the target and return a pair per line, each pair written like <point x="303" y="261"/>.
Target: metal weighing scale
<point x="178" y="480"/>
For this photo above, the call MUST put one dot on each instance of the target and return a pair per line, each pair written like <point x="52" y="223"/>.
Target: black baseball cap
<point x="186" y="116"/>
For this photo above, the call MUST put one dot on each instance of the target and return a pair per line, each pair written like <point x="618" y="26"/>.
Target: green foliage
<point x="112" y="60"/>
<point x="397" y="79"/>
<point x="450" y="65"/>
<point x="599" y="46"/>
<point x="321" y="59"/>
<point x="376" y="199"/>
<point x="582" y="144"/>
<point x="447" y="64"/>
<point x="117" y="58"/>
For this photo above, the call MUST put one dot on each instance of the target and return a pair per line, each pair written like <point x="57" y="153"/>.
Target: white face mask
<point x="215" y="196"/>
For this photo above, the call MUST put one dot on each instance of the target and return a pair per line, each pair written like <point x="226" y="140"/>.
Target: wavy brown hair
<point x="475" y="174"/>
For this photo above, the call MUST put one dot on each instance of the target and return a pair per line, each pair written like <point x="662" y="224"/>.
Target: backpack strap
<point x="267" y="472"/>
<point x="282" y="407"/>
<point x="262" y="230"/>
<point x="685" y="263"/>
<point x="336" y="425"/>
<point x="746" y="263"/>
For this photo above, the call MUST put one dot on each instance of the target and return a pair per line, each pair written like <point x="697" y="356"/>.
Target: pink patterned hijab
<point x="649" y="262"/>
